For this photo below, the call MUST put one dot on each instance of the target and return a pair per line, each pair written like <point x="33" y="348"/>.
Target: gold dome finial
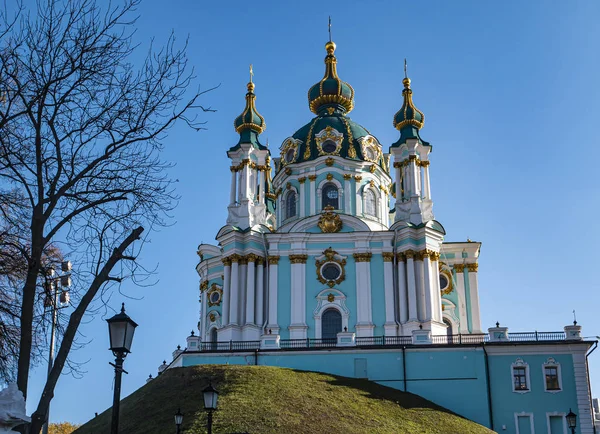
<point x="406" y="80"/>
<point x="250" y="83"/>
<point x="330" y="45"/>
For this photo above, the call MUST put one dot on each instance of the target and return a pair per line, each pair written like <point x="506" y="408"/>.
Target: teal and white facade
<point x="331" y="260"/>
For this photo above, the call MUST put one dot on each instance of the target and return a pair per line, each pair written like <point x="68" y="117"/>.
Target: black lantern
<point x="572" y="421"/>
<point x="121" y="329"/>
<point x="211" y="397"/>
<point x="178" y="420"/>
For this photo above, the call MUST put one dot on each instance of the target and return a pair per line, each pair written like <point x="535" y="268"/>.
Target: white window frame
<point x="284" y="198"/>
<point x="519" y="363"/>
<point x="377" y="202"/>
<point x="552" y="363"/>
<point x="340" y="190"/>
<point x="524" y="414"/>
<point x="564" y="420"/>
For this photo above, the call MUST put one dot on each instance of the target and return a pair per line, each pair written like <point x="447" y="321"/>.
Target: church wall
<point x="377" y="295"/>
<point x="284" y="297"/>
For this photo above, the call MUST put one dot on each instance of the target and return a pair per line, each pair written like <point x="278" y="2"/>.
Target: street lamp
<point x="178" y="420"/>
<point x="120" y="330"/>
<point x="572" y="421"/>
<point x="55" y="301"/>
<point x="211" y="397"/>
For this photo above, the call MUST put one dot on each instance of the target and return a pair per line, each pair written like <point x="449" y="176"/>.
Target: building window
<point x="329" y="146"/>
<point x="331" y="324"/>
<point x="370" y="203"/>
<point x="520" y="376"/>
<point x="290" y="205"/>
<point x="330" y="196"/>
<point x="552" y="377"/>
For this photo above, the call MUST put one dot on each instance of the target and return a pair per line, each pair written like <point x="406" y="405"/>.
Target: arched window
<point x="331" y="323"/>
<point x="213" y="335"/>
<point x="370" y="203"/>
<point x="290" y="205"/>
<point x="330" y="196"/>
<point x="449" y="331"/>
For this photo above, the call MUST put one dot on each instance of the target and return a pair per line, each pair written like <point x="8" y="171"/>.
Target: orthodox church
<point x="331" y="260"/>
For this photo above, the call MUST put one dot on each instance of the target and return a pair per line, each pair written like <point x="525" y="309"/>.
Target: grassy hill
<point x="262" y="399"/>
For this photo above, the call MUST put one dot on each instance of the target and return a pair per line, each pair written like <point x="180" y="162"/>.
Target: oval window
<point x="289" y="155"/>
<point x="215" y="297"/>
<point x="443" y="282"/>
<point x="329" y="146"/>
<point x="331" y="271"/>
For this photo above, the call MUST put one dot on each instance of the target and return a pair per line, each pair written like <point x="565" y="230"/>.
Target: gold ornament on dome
<point x="330" y="256"/>
<point x="329" y="221"/>
<point x="329" y="134"/>
<point x="371" y="149"/>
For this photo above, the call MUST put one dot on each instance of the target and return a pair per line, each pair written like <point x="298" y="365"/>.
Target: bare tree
<point x="81" y="130"/>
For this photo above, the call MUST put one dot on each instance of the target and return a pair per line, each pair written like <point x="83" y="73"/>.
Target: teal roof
<point x="250" y="123"/>
<point x="409" y="119"/>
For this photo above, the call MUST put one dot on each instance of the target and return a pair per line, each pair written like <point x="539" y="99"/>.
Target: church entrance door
<point x="331" y="324"/>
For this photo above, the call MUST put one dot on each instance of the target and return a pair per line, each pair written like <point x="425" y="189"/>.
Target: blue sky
<point x="509" y="90"/>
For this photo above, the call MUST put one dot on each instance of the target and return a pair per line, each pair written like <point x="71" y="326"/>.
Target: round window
<point x="331" y="271"/>
<point x="371" y="154"/>
<point x="214" y="297"/>
<point x="289" y="155"/>
<point x="329" y="146"/>
<point x="443" y="282"/>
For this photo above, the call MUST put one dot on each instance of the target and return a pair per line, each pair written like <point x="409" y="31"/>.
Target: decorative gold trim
<point x="235" y="258"/>
<point x="459" y="268"/>
<point x="331" y="256"/>
<point x="226" y="262"/>
<point x="329" y="161"/>
<point x="243" y="260"/>
<point x="329" y="222"/>
<point x="251" y="257"/>
<point x="388" y="256"/>
<point x="362" y="257"/>
<point x="204" y="286"/>
<point x="329" y="177"/>
<point x="357" y="178"/>
<point x="302" y="179"/>
<point x="472" y="267"/>
<point x="423" y="163"/>
<point x="288" y="185"/>
<point x="298" y="259"/>
<point x="372" y="168"/>
<point x="425" y="253"/>
<point x="288" y="171"/>
<point x="329" y="133"/>
<point x="212" y="317"/>
<point x="372" y="183"/>
<point x="330" y="110"/>
<point x="409" y="254"/>
<point x="330" y="297"/>
<point x="312" y="177"/>
<point x="400" y="257"/>
<point x="214" y="288"/>
<point x="450" y="286"/>
<point x="273" y="260"/>
<point x="260" y="261"/>
<point x="435" y="256"/>
<point x="347" y="176"/>
<point x="307" y="149"/>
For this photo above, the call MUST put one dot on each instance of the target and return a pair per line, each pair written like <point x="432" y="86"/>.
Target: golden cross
<point x="251" y="73"/>
<point x="329" y="28"/>
<point x="405" y="76"/>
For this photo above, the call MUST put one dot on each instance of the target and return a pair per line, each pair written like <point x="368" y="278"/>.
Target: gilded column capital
<point x="425" y="253"/>
<point x="388" y="256"/>
<point x="419" y="255"/>
<point x="302" y="179"/>
<point x="459" y="268"/>
<point x="235" y="258"/>
<point x="273" y="260"/>
<point x="435" y="256"/>
<point x="400" y="257"/>
<point x="357" y="178"/>
<point x="473" y="267"/>
<point x="412" y="158"/>
<point x="226" y="261"/>
<point x="312" y="177"/>
<point x="347" y="176"/>
<point x="243" y="260"/>
<point x="233" y="168"/>
<point x="204" y="286"/>
<point x="398" y="164"/>
<point x="409" y="254"/>
<point x="424" y="163"/>
<point x="251" y="257"/>
<point x="260" y="260"/>
<point x="298" y="259"/>
<point x="362" y="257"/>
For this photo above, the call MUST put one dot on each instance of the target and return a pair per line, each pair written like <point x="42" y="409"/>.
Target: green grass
<point x="262" y="399"/>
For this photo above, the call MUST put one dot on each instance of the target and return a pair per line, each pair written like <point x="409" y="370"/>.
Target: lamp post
<point x="572" y="421"/>
<point x="178" y="420"/>
<point x="211" y="397"/>
<point x="120" y="330"/>
<point x="55" y="302"/>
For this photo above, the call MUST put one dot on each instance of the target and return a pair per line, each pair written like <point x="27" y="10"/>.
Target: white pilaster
<point x="226" y="293"/>
<point x="260" y="292"/>
<point x="298" y="325"/>
<point x="302" y="197"/>
<point x="402" y="289"/>
<point x="261" y="183"/>
<point x="437" y="301"/>
<point x="204" y="301"/>
<point x="273" y="265"/>
<point x="427" y="192"/>
<point x="364" y="325"/>
<point x="250" y="289"/>
<point x="414" y="176"/>
<point x="311" y="192"/>
<point x="428" y="287"/>
<point x="390" y="326"/>
<point x="460" y="292"/>
<point x="243" y="286"/>
<point x="474" y="294"/>
<point x="347" y="205"/>
<point x="420" y="276"/>
<point x="232" y="187"/>
<point x="412" y="286"/>
<point x="234" y="291"/>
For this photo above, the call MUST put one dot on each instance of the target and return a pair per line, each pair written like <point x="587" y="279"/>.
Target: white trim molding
<point x="519" y="363"/>
<point x="551" y="363"/>
<point x="327" y="299"/>
<point x="524" y="414"/>
<point x="564" y="421"/>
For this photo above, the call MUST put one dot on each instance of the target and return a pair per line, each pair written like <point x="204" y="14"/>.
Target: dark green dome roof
<point x="346" y="139"/>
<point x="250" y="123"/>
<point x="331" y="93"/>
<point x="409" y="119"/>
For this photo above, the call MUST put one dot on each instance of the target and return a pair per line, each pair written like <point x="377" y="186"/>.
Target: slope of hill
<point x="262" y="399"/>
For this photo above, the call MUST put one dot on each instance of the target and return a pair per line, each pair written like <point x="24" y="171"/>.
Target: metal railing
<point x="382" y="341"/>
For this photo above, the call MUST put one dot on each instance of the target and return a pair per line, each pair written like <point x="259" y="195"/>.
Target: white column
<point x="243" y="286"/>
<point x="412" y="286"/>
<point x="390" y="326"/>
<point x="414" y="177"/>
<point x="232" y="188"/>
<point x="474" y="293"/>
<point x="234" y="290"/>
<point x="250" y="289"/>
<point x="420" y="276"/>
<point x="247" y="186"/>
<point x="298" y="297"/>
<point x="273" y="265"/>
<point x="427" y="287"/>
<point x="226" y="291"/>
<point x="407" y="181"/>
<point x="402" y="289"/>
<point x="302" y="181"/>
<point x="437" y="300"/>
<point x="364" y="325"/>
<point x="348" y="195"/>
<point x="240" y="184"/>
<point x="311" y="192"/>
<point x="261" y="183"/>
<point x="203" y="316"/>
<point x="260" y="292"/>
<point x="427" y="193"/>
<point x="462" y="304"/>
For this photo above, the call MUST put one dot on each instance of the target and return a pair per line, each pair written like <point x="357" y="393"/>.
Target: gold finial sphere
<point x="330" y="47"/>
<point x="250" y="87"/>
<point x="406" y="82"/>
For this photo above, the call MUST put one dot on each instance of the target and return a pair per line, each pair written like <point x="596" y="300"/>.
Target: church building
<point x="331" y="259"/>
